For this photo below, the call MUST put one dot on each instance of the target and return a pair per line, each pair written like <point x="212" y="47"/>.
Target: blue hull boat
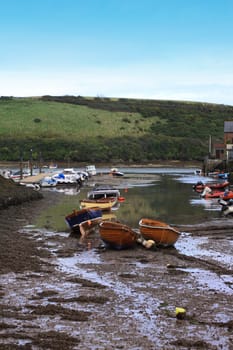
<point x="82" y="220"/>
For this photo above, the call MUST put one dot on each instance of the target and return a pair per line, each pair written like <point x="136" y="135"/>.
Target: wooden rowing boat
<point x="83" y="220"/>
<point x="102" y="203"/>
<point x="158" y="231"/>
<point x="117" y="235"/>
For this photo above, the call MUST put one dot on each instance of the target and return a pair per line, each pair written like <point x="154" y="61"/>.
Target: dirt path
<point x="59" y="294"/>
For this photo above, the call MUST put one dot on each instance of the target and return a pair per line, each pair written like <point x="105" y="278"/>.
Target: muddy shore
<point x="58" y="293"/>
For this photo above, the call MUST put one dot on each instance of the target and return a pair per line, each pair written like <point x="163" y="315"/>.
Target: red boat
<point x="218" y="194"/>
<point x="227" y="195"/>
<point x="215" y="194"/>
<point x="199" y="186"/>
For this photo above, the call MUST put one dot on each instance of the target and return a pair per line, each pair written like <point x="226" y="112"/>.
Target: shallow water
<point x="199" y="247"/>
<point x="161" y="193"/>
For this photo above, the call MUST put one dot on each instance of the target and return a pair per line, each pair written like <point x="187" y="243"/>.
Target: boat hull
<point x="103" y="192"/>
<point x="84" y="219"/>
<point x="219" y="194"/>
<point x="159" y="232"/>
<point x="116" y="235"/>
<point x="215" y="194"/>
<point x="227" y="195"/>
<point x="103" y="204"/>
<point x="199" y="187"/>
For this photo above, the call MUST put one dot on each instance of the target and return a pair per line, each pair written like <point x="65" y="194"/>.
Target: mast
<point x="210" y="145"/>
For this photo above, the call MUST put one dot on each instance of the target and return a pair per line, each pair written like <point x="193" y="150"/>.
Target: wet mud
<point x="60" y="293"/>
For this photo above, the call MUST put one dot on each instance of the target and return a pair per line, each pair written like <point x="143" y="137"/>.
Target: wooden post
<point x="21" y="165"/>
<point x="31" y="162"/>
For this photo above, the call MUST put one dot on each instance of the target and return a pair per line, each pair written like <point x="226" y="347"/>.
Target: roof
<point x="228" y="126"/>
<point x="219" y="145"/>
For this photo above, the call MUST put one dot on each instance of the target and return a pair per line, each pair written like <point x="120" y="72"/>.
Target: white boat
<point x="52" y="166"/>
<point x="103" y="191"/>
<point x="19" y="175"/>
<point x="48" y="181"/>
<point x="91" y="170"/>
<point x="68" y="177"/>
<point x="116" y="172"/>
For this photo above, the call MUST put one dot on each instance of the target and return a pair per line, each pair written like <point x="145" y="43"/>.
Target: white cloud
<point x="145" y="81"/>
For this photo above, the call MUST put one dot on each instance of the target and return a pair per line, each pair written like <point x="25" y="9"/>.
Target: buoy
<point x="148" y="244"/>
<point x="180" y="313"/>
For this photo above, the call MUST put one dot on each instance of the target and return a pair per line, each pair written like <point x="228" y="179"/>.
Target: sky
<point x="149" y="49"/>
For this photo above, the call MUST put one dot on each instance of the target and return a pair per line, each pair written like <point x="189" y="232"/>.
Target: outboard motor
<point x="199" y="183"/>
<point x="206" y="190"/>
<point x="227" y="207"/>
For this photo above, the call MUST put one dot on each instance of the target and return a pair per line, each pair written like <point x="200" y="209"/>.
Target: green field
<point x="22" y="118"/>
<point x="103" y="129"/>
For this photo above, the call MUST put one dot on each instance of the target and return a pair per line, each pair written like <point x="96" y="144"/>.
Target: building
<point x="228" y="140"/>
<point x="218" y="151"/>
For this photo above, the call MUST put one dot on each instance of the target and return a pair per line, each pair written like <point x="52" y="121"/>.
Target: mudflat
<point x="59" y="293"/>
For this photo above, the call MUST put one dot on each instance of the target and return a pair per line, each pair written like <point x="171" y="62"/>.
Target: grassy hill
<point x="103" y="129"/>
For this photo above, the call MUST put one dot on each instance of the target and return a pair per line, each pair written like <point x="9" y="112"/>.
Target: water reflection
<point x="208" y="204"/>
<point x="169" y="200"/>
<point x="166" y="196"/>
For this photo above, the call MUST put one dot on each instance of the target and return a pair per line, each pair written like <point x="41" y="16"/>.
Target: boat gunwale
<point x="165" y="227"/>
<point x="115" y="226"/>
<point x="89" y="220"/>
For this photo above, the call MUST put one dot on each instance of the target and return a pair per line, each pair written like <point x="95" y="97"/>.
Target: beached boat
<point x="83" y="220"/>
<point x="102" y="203"/>
<point x="109" y="216"/>
<point x="158" y="231"/>
<point x="103" y="191"/>
<point x="91" y="170"/>
<point x="116" y="172"/>
<point x="48" y="181"/>
<point x="20" y="174"/>
<point x="68" y="176"/>
<point x="117" y="235"/>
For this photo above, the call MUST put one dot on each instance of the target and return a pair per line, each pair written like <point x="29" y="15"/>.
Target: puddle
<point x="42" y="233"/>
<point x="69" y="265"/>
<point x="209" y="280"/>
<point x="143" y="306"/>
<point x="192" y="246"/>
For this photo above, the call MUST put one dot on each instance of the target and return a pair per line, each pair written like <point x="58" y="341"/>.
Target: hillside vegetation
<point x="102" y="129"/>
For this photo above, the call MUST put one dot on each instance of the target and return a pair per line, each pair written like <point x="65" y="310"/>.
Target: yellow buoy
<point x="180" y="313"/>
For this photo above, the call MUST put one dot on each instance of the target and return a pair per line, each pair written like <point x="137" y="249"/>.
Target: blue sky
<point x="158" y="49"/>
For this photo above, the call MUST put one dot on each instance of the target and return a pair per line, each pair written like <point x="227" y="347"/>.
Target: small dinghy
<point x="102" y="203"/>
<point x="117" y="235"/>
<point x="83" y="220"/>
<point x="158" y="231"/>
